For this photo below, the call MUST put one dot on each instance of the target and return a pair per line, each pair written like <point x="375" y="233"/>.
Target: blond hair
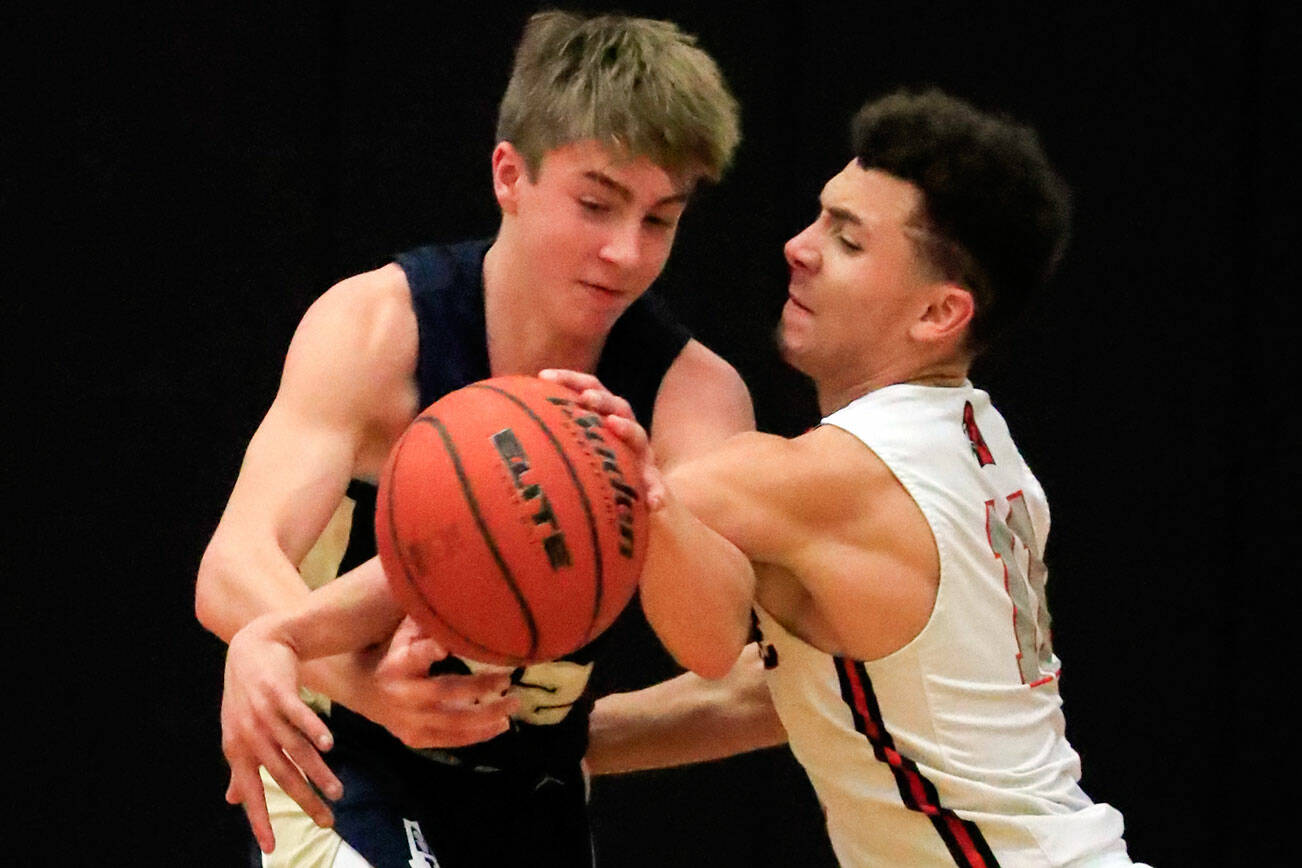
<point x="639" y="85"/>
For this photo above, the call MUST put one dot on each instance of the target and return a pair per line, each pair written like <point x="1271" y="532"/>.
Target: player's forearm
<point x="227" y="599"/>
<point x="696" y="591"/>
<point x="685" y="720"/>
<point x="347" y="615"/>
<point x="238" y="582"/>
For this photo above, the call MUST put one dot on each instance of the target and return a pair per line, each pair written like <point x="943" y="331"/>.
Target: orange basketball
<point x="511" y="525"/>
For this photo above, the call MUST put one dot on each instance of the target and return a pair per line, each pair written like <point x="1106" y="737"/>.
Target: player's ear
<point x="509" y="171"/>
<point x="948" y="312"/>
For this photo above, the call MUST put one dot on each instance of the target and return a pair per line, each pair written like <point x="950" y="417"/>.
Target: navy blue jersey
<point x="448" y="298"/>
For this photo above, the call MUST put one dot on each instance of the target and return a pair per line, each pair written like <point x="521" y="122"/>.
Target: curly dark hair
<point x="995" y="215"/>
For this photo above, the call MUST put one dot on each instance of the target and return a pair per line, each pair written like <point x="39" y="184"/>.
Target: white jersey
<point x="951" y="750"/>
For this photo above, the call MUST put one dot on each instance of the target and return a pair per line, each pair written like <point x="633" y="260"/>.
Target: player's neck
<point x="517" y="346"/>
<point x="835" y="394"/>
<point x="519" y="340"/>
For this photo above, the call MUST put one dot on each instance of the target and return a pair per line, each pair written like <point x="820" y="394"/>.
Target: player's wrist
<point x="264" y="630"/>
<point x="351" y="679"/>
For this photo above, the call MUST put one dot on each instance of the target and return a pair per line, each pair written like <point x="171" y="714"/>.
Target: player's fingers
<point x="310" y="763"/>
<point x="458" y="729"/>
<point x="233" y="795"/>
<point x="411" y="651"/>
<point x="605" y="403"/>
<point x="443" y="705"/>
<point x="655" y="492"/>
<point x="246" y="789"/>
<point x="576" y="380"/>
<point x="462" y="689"/>
<point x="466" y="720"/>
<point x="635" y="437"/>
<point x="493" y="709"/>
<point x="299" y="733"/>
<point x="467" y="735"/>
<point x="305" y="722"/>
<point x="421" y="653"/>
<point x="408" y="631"/>
<point x="291" y="780"/>
<point x="629" y="431"/>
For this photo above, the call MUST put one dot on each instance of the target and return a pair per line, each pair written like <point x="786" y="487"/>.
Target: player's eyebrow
<point x="844" y="216"/>
<point x="626" y="194"/>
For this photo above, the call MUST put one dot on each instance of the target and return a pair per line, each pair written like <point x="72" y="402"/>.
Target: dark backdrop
<point x="179" y="184"/>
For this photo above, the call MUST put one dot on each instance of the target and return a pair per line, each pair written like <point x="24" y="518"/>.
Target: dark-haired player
<point x="894" y="554"/>
<point x="606" y="127"/>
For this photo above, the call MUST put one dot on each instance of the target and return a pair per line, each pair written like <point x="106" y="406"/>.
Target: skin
<point x="822" y="536"/>
<point x="578" y="243"/>
<point x="688" y="719"/>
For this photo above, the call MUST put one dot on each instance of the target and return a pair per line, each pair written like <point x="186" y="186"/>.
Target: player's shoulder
<point x="373" y="300"/>
<point x="817" y="476"/>
<point x="837" y="455"/>
<point x="698" y="369"/>
<point x="701" y="401"/>
<point x="821" y="451"/>
<point x="359" y="337"/>
<point x="363" y="323"/>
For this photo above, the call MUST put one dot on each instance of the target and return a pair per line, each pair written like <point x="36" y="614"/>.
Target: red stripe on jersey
<point x="965" y="842"/>
<point x="961" y="837"/>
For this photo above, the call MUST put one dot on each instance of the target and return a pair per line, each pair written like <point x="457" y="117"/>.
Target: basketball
<point x="510" y="523"/>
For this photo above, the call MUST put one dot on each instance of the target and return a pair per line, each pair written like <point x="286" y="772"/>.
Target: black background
<point x="179" y="183"/>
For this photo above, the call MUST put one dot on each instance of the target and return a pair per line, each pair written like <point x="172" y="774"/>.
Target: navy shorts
<point x="403" y="810"/>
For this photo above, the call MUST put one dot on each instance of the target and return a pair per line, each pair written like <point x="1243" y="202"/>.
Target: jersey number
<point x="1012" y="539"/>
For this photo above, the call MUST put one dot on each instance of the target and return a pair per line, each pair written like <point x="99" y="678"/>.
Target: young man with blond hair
<point x="606" y="127"/>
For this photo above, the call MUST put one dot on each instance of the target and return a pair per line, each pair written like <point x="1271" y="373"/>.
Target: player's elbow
<point x="210" y="590"/>
<point x="715" y="653"/>
<point x="713" y="666"/>
<point x="701" y="638"/>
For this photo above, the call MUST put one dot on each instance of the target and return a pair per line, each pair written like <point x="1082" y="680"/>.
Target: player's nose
<point x="800" y="251"/>
<point x="622" y="245"/>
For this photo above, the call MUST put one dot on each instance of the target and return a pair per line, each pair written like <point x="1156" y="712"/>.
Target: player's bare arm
<point x="266" y="723"/>
<point x="825" y="538"/>
<point x="702" y="402"/>
<point x="705" y="402"/>
<point x="688" y="719"/>
<point x="345" y="394"/>
<point x="843" y="556"/>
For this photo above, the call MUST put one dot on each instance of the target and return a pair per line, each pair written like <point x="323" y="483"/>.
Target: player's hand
<point x="265" y="723"/>
<point x="617" y="417"/>
<point x="431" y="711"/>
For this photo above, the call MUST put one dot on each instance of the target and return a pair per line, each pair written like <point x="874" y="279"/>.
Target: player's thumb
<point x="418" y="649"/>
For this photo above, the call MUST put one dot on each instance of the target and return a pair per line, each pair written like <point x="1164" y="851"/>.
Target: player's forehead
<point x="870" y="197"/>
<point x="634" y="177"/>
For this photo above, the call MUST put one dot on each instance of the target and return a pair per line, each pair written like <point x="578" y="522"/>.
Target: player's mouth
<point x="795" y="302"/>
<point x="601" y="291"/>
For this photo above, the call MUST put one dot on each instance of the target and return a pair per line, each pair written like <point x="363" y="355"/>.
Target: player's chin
<point x="596" y="314"/>
<point x="791" y="344"/>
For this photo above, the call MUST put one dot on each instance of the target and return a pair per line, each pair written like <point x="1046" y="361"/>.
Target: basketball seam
<point x="507" y="576"/>
<point x="598" y="571"/>
<point x="415" y="596"/>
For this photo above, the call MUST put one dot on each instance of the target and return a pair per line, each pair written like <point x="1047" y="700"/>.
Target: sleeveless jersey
<point x="951" y="750"/>
<point x="551" y="729"/>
